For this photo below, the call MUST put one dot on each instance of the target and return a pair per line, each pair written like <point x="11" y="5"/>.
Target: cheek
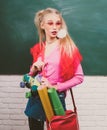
<point x="59" y="27"/>
<point x="47" y="30"/>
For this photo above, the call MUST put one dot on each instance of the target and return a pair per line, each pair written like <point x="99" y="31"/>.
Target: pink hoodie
<point x="51" y="71"/>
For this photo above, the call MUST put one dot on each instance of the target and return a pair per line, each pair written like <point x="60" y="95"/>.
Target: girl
<point x="56" y="59"/>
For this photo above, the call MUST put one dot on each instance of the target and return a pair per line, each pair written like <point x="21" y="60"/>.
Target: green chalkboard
<point x="87" y="24"/>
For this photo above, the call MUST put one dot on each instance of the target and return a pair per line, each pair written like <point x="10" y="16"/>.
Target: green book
<point x="55" y="101"/>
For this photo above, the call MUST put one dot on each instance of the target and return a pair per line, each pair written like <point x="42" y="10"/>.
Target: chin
<point x="53" y="36"/>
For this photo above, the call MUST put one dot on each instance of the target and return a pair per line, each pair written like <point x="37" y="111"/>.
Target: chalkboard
<point x="86" y="21"/>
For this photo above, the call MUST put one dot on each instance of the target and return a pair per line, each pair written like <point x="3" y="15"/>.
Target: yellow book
<point x="43" y="94"/>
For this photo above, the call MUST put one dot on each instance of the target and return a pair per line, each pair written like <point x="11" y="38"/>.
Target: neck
<point x="51" y="40"/>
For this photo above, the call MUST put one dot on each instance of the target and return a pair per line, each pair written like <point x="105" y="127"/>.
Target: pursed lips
<point x="54" y="32"/>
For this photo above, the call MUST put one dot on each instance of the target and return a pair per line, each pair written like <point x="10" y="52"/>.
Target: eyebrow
<point x="52" y="21"/>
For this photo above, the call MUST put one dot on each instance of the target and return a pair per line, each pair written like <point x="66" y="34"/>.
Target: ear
<point x="42" y="25"/>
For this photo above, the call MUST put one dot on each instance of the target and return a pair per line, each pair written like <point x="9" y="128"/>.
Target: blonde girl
<point x="56" y="59"/>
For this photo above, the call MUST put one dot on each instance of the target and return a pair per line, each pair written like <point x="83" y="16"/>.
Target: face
<point x="51" y="25"/>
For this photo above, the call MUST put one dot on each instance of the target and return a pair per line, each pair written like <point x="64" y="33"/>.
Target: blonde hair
<point x="66" y="44"/>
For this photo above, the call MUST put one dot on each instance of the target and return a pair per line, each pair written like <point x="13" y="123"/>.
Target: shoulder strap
<point x="73" y="101"/>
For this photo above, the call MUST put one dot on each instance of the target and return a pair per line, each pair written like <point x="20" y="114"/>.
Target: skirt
<point x="35" y="110"/>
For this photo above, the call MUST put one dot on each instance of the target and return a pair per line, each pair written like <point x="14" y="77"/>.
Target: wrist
<point x="33" y="70"/>
<point x="55" y="86"/>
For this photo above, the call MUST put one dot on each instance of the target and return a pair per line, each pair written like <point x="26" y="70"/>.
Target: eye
<point x="58" y="23"/>
<point x="50" y="23"/>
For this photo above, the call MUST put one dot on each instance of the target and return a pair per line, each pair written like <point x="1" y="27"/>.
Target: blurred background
<point x="87" y="25"/>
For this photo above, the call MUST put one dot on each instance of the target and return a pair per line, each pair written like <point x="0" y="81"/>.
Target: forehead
<point x="52" y="17"/>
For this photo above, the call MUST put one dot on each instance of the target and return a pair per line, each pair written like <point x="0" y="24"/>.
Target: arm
<point x="35" y="52"/>
<point x="77" y="79"/>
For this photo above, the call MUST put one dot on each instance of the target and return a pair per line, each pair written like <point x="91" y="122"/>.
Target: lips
<point x="54" y="32"/>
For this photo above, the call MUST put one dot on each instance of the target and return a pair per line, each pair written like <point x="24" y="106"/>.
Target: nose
<point x="54" y="26"/>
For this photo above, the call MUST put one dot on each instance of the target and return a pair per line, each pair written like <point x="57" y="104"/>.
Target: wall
<point x="90" y="97"/>
<point x="86" y="21"/>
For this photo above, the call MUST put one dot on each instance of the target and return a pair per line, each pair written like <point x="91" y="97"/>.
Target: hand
<point x="37" y="66"/>
<point x="46" y="83"/>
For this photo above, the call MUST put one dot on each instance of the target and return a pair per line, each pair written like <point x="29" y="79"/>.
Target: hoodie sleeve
<point x="77" y="79"/>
